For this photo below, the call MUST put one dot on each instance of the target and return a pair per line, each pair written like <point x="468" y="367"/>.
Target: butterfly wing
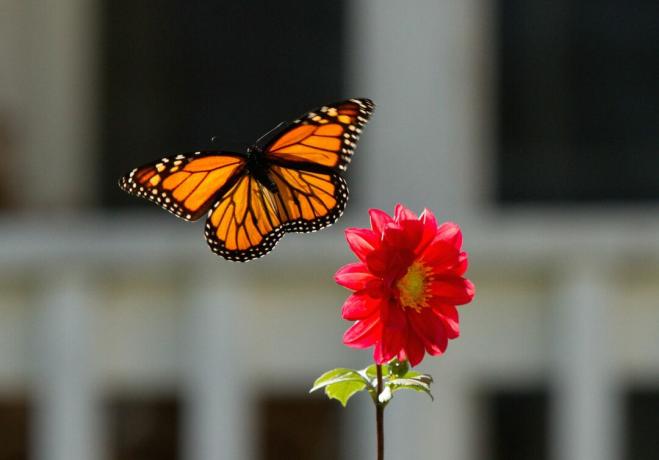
<point x="323" y="138"/>
<point x="305" y="159"/>
<point x="308" y="201"/>
<point x="185" y="185"/>
<point x="246" y="218"/>
<point x="244" y="224"/>
<point x="248" y="221"/>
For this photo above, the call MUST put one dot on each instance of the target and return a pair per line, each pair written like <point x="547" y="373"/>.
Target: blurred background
<point x="532" y="124"/>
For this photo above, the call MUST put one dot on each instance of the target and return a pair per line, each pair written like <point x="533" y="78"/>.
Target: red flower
<point x="406" y="285"/>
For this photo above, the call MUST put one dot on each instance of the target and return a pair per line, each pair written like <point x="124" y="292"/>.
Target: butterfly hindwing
<point x="244" y="223"/>
<point x="308" y="201"/>
<point x="185" y="185"/>
<point x="248" y="220"/>
<point x="324" y="137"/>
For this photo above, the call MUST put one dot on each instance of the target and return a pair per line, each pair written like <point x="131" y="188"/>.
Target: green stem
<point x="379" y="414"/>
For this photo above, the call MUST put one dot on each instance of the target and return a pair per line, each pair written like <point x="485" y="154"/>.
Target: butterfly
<point x="287" y="181"/>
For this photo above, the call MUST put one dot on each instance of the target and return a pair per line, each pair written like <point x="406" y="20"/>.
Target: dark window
<point x="143" y="429"/>
<point x="516" y="425"/>
<point x="299" y="428"/>
<point x="176" y="73"/>
<point x="7" y="153"/>
<point x="642" y="425"/>
<point x="14" y="426"/>
<point x="577" y="101"/>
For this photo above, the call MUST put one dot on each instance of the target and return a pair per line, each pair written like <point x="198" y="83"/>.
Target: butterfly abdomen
<point x="258" y="167"/>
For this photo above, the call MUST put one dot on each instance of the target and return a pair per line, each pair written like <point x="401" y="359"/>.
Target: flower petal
<point x="452" y="290"/>
<point x="379" y="220"/>
<point x="451" y="233"/>
<point x="462" y="265"/>
<point x="441" y="256"/>
<point x="389" y="263"/>
<point x="363" y="333"/>
<point x="359" y="306"/>
<point x="429" y="229"/>
<point x="414" y="349"/>
<point x="403" y="213"/>
<point x="407" y="234"/>
<point x="362" y="241"/>
<point x="394" y="332"/>
<point x="430" y="329"/>
<point x="354" y="276"/>
<point x="378" y="355"/>
<point x="451" y="318"/>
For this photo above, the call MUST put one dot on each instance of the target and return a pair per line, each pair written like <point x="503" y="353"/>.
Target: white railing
<point x="243" y="316"/>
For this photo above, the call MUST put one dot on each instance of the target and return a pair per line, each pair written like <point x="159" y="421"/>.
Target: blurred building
<point x="533" y="125"/>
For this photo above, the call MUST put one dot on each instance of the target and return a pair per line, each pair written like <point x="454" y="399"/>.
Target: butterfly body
<point x="258" y="166"/>
<point x="290" y="183"/>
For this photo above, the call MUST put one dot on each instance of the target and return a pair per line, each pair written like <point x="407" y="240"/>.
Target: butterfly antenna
<point x="216" y="139"/>
<point x="258" y="141"/>
<point x="227" y="142"/>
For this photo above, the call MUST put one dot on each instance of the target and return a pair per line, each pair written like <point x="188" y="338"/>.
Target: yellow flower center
<point x="412" y="287"/>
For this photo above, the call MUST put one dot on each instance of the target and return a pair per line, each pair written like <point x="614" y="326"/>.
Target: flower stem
<point x="379" y="414"/>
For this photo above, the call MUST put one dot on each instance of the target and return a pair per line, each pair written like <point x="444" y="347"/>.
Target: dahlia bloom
<point x="406" y="285"/>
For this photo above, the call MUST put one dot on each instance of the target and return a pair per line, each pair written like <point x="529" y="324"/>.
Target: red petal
<point x="430" y="330"/>
<point x="362" y="241"/>
<point x="407" y="234"/>
<point x="452" y="290"/>
<point x="429" y="228"/>
<point x="363" y="333"/>
<point x="414" y="349"/>
<point x="451" y="319"/>
<point x="462" y="265"/>
<point x="451" y="233"/>
<point x="379" y="220"/>
<point x="378" y="354"/>
<point x="403" y="213"/>
<point x="389" y="262"/>
<point x="354" y="276"/>
<point x="394" y="332"/>
<point x="441" y="256"/>
<point x="359" y="306"/>
<point x="378" y="261"/>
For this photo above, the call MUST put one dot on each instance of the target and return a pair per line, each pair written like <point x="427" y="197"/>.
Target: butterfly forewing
<point x="185" y="185"/>
<point x="324" y="137"/>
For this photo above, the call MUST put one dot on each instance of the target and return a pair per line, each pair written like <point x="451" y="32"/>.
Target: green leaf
<point x="411" y="384"/>
<point x="335" y="376"/>
<point x="343" y="391"/>
<point x="372" y="373"/>
<point x="425" y="378"/>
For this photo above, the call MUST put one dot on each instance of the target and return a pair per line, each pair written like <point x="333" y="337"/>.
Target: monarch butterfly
<point x="289" y="182"/>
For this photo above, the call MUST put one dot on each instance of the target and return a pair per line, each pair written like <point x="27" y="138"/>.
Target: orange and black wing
<point x="305" y="159"/>
<point x="248" y="220"/>
<point x="186" y="185"/>
<point x="244" y="223"/>
<point x="323" y="138"/>
<point x="308" y="201"/>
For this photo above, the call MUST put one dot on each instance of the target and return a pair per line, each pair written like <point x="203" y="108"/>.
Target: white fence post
<point x="65" y="426"/>
<point x="215" y="397"/>
<point x="584" y="412"/>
